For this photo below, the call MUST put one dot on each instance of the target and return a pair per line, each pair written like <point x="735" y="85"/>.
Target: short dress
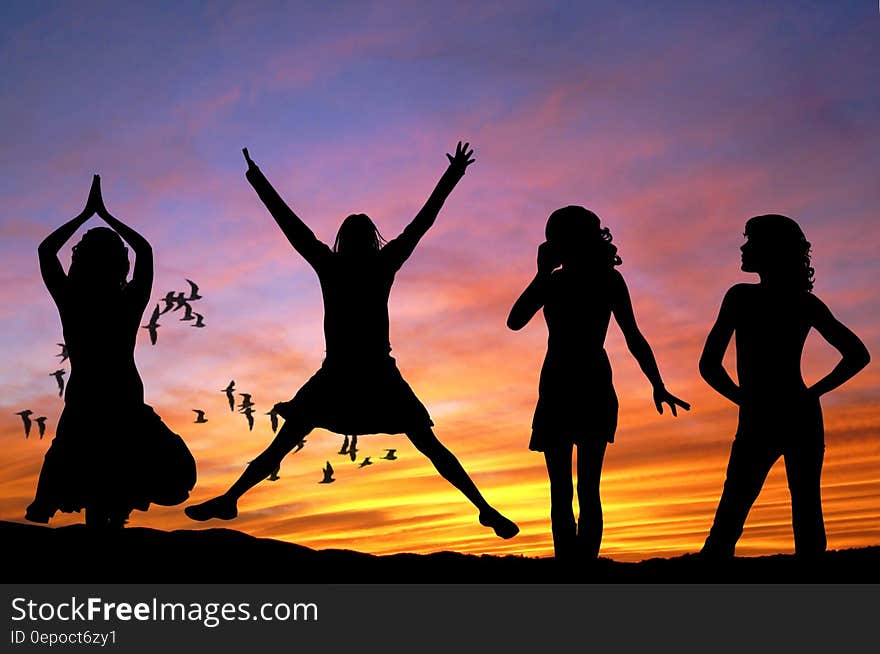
<point x="357" y="397"/>
<point x="577" y="403"/>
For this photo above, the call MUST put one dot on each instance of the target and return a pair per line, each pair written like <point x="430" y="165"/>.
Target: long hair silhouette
<point x="779" y="415"/>
<point x="579" y="288"/>
<point x="358" y="389"/>
<point x="782" y="249"/>
<point x="358" y="234"/>
<point x="111" y="452"/>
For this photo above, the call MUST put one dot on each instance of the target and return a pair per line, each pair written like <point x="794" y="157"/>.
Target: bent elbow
<point x="707" y="369"/>
<point x="862" y="358"/>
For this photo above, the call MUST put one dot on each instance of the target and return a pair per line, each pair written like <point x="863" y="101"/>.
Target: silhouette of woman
<point x="579" y="289"/>
<point x="778" y="414"/>
<point x="111" y="452"/>
<point x="358" y="389"/>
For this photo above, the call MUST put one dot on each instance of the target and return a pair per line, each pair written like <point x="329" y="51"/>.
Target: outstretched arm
<point x="399" y="249"/>
<point x="640" y="349"/>
<point x="855" y="354"/>
<point x="50" y="266"/>
<point x="533" y="298"/>
<point x="711" y="360"/>
<point x="297" y="232"/>
<point x="142" y="276"/>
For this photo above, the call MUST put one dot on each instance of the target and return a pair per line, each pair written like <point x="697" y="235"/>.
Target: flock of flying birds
<point x="246" y="407"/>
<point x="41" y="420"/>
<point x="174" y="301"/>
<point x="350" y="448"/>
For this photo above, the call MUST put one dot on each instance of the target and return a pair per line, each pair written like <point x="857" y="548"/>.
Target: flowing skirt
<point x="115" y="460"/>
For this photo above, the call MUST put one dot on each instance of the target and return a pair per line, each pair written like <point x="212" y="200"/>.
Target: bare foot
<point x="220" y="507"/>
<point x="503" y="527"/>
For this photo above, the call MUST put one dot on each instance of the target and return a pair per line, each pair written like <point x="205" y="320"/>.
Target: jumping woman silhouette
<point x="579" y="289"/>
<point x="111" y="452"/>
<point x="358" y="389"/>
<point x="778" y="414"/>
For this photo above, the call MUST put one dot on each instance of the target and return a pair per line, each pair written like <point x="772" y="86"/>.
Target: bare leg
<point x="452" y="471"/>
<point x="562" y="521"/>
<point x="589" y="531"/>
<point x="225" y="506"/>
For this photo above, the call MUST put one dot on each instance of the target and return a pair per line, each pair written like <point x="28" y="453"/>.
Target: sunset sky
<point x="674" y="124"/>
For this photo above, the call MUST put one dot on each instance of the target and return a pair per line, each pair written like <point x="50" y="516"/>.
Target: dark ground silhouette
<point x="76" y="554"/>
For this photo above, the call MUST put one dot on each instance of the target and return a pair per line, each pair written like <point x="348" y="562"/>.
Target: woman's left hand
<point x="661" y="395"/>
<point x="462" y="158"/>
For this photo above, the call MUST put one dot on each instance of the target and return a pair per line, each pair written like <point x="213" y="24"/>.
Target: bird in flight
<point x="344" y="448"/>
<point x="328" y="474"/>
<point x="188" y="312"/>
<point x="200" y="416"/>
<point x="193" y="291"/>
<point x="200" y="321"/>
<point x="229" y="396"/>
<point x="353" y="447"/>
<point x="153" y="325"/>
<point x="41" y="423"/>
<point x="365" y="462"/>
<point x="390" y="456"/>
<point x="249" y="414"/>
<point x="246" y="402"/>
<point x="169" y="302"/>
<point x="26" y="419"/>
<point x="273" y="417"/>
<point x="64" y="355"/>
<point x="299" y="446"/>
<point x="59" y="375"/>
<point x="179" y="301"/>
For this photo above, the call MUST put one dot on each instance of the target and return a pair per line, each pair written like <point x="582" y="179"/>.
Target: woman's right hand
<point x="547" y="259"/>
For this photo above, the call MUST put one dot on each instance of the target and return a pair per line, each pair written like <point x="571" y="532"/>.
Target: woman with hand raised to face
<point x="111" y="452"/>
<point x="358" y="389"/>
<point x="579" y="289"/>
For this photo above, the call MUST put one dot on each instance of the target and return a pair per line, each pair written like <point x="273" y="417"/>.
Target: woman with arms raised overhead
<point x="358" y="389"/>
<point x="111" y="452"/>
